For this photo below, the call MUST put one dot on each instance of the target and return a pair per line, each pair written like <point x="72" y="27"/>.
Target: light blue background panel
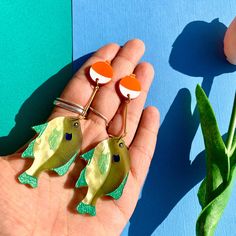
<point x="184" y="42"/>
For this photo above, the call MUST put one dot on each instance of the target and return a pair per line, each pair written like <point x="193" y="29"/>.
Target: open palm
<point x="50" y="208"/>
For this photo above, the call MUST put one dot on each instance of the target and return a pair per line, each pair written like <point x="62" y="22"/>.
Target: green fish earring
<point x="108" y="164"/>
<point x="59" y="140"/>
<point x="55" y="148"/>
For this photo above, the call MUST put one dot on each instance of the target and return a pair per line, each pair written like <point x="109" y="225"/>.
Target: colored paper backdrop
<point x="35" y="64"/>
<point x="184" y="41"/>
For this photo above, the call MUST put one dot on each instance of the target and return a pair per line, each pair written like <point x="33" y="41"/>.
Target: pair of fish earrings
<point x="59" y="141"/>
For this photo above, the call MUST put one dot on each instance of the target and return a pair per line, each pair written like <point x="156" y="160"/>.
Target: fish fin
<point x="88" y="155"/>
<point x="81" y="182"/>
<point x="84" y="208"/>
<point x="29" y="151"/>
<point x="40" y="128"/>
<point x="24" y="178"/>
<point x="116" y="194"/>
<point x="61" y="170"/>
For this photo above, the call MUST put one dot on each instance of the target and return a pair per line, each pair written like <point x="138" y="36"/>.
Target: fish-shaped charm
<point x="106" y="173"/>
<point x="55" y="148"/>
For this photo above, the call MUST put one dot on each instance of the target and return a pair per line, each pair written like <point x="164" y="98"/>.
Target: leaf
<point x="233" y="156"/>
<point x="230" y="142"/>
<point x="218" y="168"/>
<point x="215" y="190"/>
<point x="202" y="194"/>
<point x="232" y="151"/>
<point x="210" y="215"/>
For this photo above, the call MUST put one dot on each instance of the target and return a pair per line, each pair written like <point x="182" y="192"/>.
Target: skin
<point x="50" y="208"/>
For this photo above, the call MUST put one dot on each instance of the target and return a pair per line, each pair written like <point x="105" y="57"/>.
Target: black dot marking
<point x="116" y="158"/>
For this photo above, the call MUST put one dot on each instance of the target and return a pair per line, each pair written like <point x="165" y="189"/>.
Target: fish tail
<point x="25" y="178"/>
<point x="84" y="208"/>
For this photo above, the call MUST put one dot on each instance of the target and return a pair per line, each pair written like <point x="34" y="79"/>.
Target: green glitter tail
<point x="24" y="178"/>
<point x="83" y="208"/>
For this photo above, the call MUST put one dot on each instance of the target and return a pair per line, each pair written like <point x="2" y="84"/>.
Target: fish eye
<point x="76" y="124"/>
<point x="121" y="145"/>
<point x="116" y="158"/>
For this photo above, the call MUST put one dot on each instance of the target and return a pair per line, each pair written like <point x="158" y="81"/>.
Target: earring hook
<point x="125" y="112"/>
<point x="86" y="108"/>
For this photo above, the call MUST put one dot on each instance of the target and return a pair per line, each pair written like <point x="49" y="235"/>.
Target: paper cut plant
<point x="215" y="190"/>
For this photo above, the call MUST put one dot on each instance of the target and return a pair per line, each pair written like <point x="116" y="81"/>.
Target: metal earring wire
<point x="101" y="73"/>
<point x="99" y="114"/>
<point x="76" y="108"/>
<point x="123" y="132"/>
<point x="86" y="108"/>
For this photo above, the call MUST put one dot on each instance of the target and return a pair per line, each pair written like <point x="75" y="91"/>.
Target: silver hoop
<point x="70" y="106"/>
<point x="100" y="115"/>
<point x="76" y="108"/>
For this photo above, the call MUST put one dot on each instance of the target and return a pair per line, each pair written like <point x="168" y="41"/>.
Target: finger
<point x="107" y="99"/>
<point x="144" y="73"/>
<point x="143" y="145"/>
<point x="79" y="89"/>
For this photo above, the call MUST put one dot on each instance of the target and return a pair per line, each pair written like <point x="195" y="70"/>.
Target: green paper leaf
<point x="218" y="168"/>
<point x="210" y="215"/>
<point x="233" y="157"/>
<point x="230" y="142"/>
<point x="202" y="193"/>
<point x="215" y="190"/>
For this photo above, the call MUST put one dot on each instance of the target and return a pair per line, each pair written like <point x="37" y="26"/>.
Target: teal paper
<point x="36" y="56"/>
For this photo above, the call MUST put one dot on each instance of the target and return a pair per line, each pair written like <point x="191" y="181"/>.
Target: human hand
<point x="50" y="208"/>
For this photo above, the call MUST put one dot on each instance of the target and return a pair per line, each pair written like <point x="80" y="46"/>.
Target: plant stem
<point x="232" y="126"/>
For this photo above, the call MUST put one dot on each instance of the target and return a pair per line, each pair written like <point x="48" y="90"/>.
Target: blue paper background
<point x="168" y="204"/>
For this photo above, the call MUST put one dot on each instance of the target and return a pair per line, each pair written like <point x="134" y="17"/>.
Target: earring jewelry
<point x="59" y="141"/>
<point x="108" y="164"/>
